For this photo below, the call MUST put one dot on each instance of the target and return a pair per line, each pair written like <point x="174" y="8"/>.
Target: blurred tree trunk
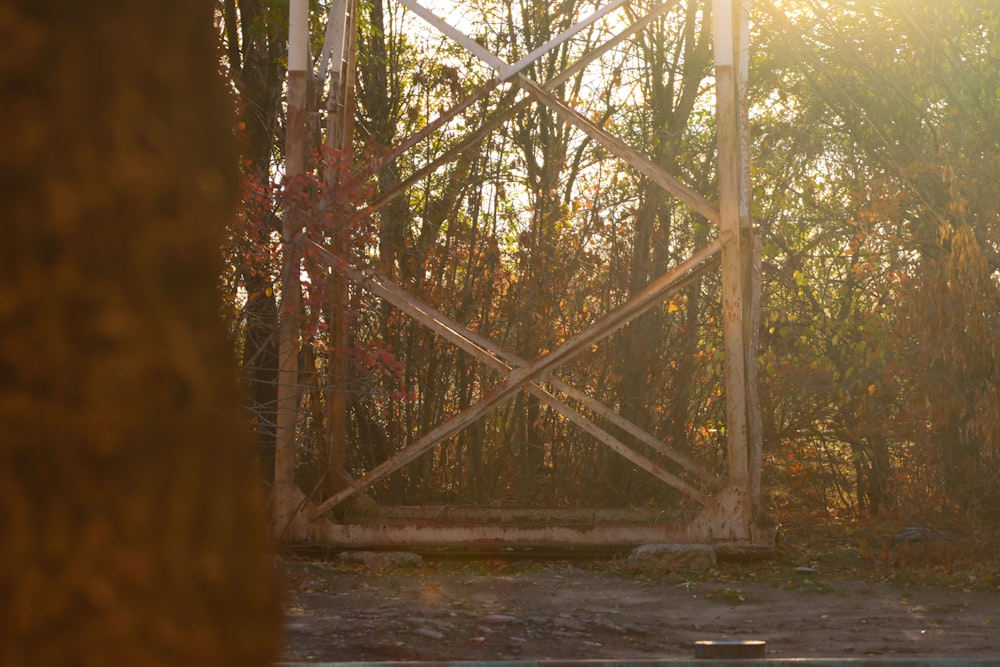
<point x="133" y="530"/>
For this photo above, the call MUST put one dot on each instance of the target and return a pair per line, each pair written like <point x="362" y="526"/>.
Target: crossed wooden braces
<point x="530" y="376"/>
<point x="520" y="374"/>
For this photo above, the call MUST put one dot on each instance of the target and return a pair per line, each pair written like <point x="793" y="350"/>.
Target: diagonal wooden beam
<point x="595" y="53"/>
<point x="451" y="154"/>
<point x="508" y="112"/>
<point x="459" y="37"/>
<point x="653" y="171"/>
<point x="467" y="340"/>
<point x="433" y="126"/>
<point x="695" y="200"/>
<point x="518" y="377"/>
<point x="617" y="446"/>
<point x="508" y="71"/>
<point x="598" y="408"/>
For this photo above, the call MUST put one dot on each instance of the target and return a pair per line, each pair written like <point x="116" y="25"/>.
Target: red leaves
<point x="379" y="360"/>
<point x="331" y="200"/>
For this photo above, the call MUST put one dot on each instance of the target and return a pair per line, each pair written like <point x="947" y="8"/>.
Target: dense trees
<point x="874" y="142"/>
<point x="889" y="112"/>
<point x="254" y="35"/>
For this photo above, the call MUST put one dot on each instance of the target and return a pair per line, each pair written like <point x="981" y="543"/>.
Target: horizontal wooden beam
<point x="356" y="536"/>
<point x="372" y="514"/>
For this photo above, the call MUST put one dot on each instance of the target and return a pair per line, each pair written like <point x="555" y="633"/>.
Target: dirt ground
<point x="482" y="610"/>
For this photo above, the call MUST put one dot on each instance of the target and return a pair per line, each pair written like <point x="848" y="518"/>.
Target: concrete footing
<point x="657" y="559"/>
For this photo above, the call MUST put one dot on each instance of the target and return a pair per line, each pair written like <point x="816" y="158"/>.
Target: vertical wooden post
<point x="298" y="57"/>
<point x="286" y="493"/>
<point x="734" y="210"/>
<point x="340" y="100"/>
<point x="751" y="259"/>
<point x="340" y="112"/>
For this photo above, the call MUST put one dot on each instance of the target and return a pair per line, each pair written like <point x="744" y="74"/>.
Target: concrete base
<point x="656" y="559"/>
<point x="381" y="559"/>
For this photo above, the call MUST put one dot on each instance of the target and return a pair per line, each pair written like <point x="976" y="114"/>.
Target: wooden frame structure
<point x="728" y="505"/>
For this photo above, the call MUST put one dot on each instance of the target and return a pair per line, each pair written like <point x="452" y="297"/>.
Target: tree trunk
<point x="253" y="52"/>
<point x="133" y="530"/>
<point x="287" y="495"/>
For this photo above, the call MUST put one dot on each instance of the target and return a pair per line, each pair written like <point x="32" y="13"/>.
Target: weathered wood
<point x="752" y="264"/>
<point x="632" y="29"/>
<point x="436" y="124"/>
<point x="615" y="445"/>
<point x="437" y="322"/>
<point x="484" y="535"/>
<point x="338" y="46"/>
<point x="349" y="77"/>
<point x="706" y="476"/>
<point x="339" y="57"/>
<point x="733" y="283"/>
<point x="335" y="39"/>
<point x="470" y="140"/>
<point x="286" y="493"/>
<point x="372" y="514"/>
<point x="755" y="426"/>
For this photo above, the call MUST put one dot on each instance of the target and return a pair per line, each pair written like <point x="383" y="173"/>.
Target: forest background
<point x="875" y="150"/>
